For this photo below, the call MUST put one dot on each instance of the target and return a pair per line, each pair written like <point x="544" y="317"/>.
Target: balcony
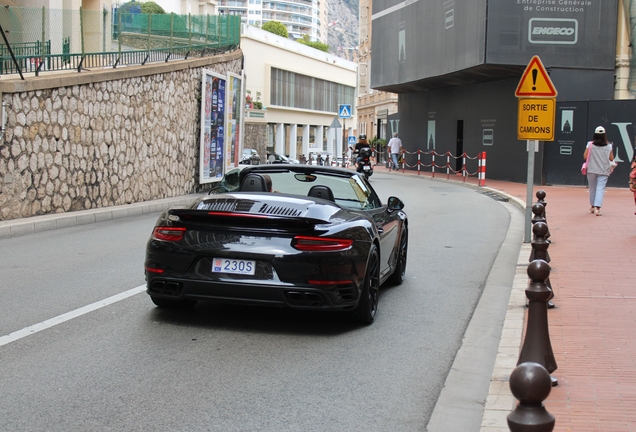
<point x="237" y="12"/>
<point x="286" y="18"/>
<point x="305" y="3"/>
<point x="290" y="9"/>
<point x="232" y="3"/>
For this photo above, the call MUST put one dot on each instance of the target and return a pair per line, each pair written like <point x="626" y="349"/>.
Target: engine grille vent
<point x="229" y="205"/>
<point x="249" y="206"/>
<point x="279" y="210"/>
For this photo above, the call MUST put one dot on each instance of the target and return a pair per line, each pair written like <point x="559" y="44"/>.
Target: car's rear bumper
<point x="332" y="298"/>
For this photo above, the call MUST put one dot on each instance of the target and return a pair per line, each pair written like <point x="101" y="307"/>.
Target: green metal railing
<point x="37" y="40"/>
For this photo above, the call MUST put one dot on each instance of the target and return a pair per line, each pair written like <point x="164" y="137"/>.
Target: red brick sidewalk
<point x="593" y="327"/>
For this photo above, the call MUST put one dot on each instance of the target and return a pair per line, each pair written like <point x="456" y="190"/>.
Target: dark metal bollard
<point x="541" y="200"/>
<point x="539" y="215"/>
<point x="540" y="246"/>
<point x="530" y="384"/>
<point x="536" y="345"/>
<point x="539" y="241"/>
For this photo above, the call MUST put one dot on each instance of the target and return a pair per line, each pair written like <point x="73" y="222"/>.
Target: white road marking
<point x="27" y="331"/>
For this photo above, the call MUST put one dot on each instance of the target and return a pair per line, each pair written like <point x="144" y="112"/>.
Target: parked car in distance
<point x="274" y="158"/>
<point x="250" y="157"/>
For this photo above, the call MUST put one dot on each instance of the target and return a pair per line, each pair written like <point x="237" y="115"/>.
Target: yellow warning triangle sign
<point x="535" y="81"/>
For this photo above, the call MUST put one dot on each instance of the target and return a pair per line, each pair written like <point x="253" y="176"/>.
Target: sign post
<point x="344" y="112"/>
<point x="535" y="120"/>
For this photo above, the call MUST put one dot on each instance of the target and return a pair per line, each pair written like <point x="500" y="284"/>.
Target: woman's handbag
<point x="584" y="166"/>
<point x="613" y="165"/>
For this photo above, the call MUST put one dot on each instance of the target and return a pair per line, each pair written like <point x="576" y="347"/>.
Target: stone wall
<point x="255" y="137"/>
<point x="112" y="137"/>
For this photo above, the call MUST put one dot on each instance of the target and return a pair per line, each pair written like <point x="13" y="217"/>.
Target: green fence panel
<point x="61" y="39"/>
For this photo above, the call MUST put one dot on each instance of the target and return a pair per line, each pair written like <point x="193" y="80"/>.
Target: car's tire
<point x="400" y="266"/>
<point x="368" y="305"/>
<point x="165" y="303"/>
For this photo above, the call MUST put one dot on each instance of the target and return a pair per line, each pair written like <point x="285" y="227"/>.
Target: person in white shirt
<point x="395" y="147"/>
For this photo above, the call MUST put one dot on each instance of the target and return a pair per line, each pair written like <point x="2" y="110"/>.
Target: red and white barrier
<point x="481" y="161"/>
<point x="482" y="169"/>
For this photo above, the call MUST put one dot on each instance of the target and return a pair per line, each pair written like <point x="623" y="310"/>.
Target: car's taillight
<point x="330" y="282"/>
<point x="307" y="243"/>
<point x="154" y="270"/>
<point x="168" y="233"/>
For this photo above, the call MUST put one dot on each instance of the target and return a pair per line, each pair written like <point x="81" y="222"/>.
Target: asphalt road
<point x="128" y="366"/>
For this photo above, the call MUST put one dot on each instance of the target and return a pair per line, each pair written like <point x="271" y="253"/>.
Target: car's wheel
<point x="400" y="266"/>
<point x="368" y="304"/>
<point x="173" y="303"/>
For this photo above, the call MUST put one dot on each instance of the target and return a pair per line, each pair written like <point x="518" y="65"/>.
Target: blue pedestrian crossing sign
<point x="352" y="140"/>
<point x="344" y="111"/>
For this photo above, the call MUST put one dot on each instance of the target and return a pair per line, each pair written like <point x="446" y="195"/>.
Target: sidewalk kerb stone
<point x="44" y="225"/>
<point x="83" y="219"/>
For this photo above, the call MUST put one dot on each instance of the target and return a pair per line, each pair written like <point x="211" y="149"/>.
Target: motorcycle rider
<point x="362" y="143"/>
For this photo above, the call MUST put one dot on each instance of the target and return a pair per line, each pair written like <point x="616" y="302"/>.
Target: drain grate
<point x="496" y="196"/>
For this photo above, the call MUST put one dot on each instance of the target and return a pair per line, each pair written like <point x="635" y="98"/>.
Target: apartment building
<point x="301" y="17"/>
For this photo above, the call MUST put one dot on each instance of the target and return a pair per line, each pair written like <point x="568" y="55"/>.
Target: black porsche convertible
<point x="297" y="236"/>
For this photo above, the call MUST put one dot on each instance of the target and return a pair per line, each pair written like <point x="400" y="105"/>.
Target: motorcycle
<point x="364" y="164"/>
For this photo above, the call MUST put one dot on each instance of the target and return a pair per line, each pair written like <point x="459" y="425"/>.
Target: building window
<point x="294" y="90"/>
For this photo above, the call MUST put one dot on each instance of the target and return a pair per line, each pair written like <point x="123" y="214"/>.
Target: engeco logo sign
<point x="553" y="31"/>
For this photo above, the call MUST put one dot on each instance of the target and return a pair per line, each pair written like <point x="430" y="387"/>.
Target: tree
<point x="130" y="7"/>
<point x="146" y="8"/>
<point x="276" y="27"/>
<point x="317" y="45"/>
<point x="151" y="8"/>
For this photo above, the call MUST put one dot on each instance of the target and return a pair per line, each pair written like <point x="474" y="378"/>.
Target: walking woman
<point x="598" y="168"/>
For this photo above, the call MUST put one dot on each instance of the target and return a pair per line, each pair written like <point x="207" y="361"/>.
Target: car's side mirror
<point x="394" y="203"/>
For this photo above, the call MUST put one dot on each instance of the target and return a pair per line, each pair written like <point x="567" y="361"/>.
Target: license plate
<point x="367" y="168"/>
<point x="233" y="266"/>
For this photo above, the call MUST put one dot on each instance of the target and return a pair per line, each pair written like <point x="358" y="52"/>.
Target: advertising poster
<point x="213" y="140"/>
<point x="233" y="122"/>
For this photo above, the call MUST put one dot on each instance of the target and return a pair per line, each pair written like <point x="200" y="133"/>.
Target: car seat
<point x="253" y="183"/>
<point x="320" y="191"/>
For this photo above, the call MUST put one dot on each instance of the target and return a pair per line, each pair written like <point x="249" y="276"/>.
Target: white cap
<point x="600" y="130"/>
